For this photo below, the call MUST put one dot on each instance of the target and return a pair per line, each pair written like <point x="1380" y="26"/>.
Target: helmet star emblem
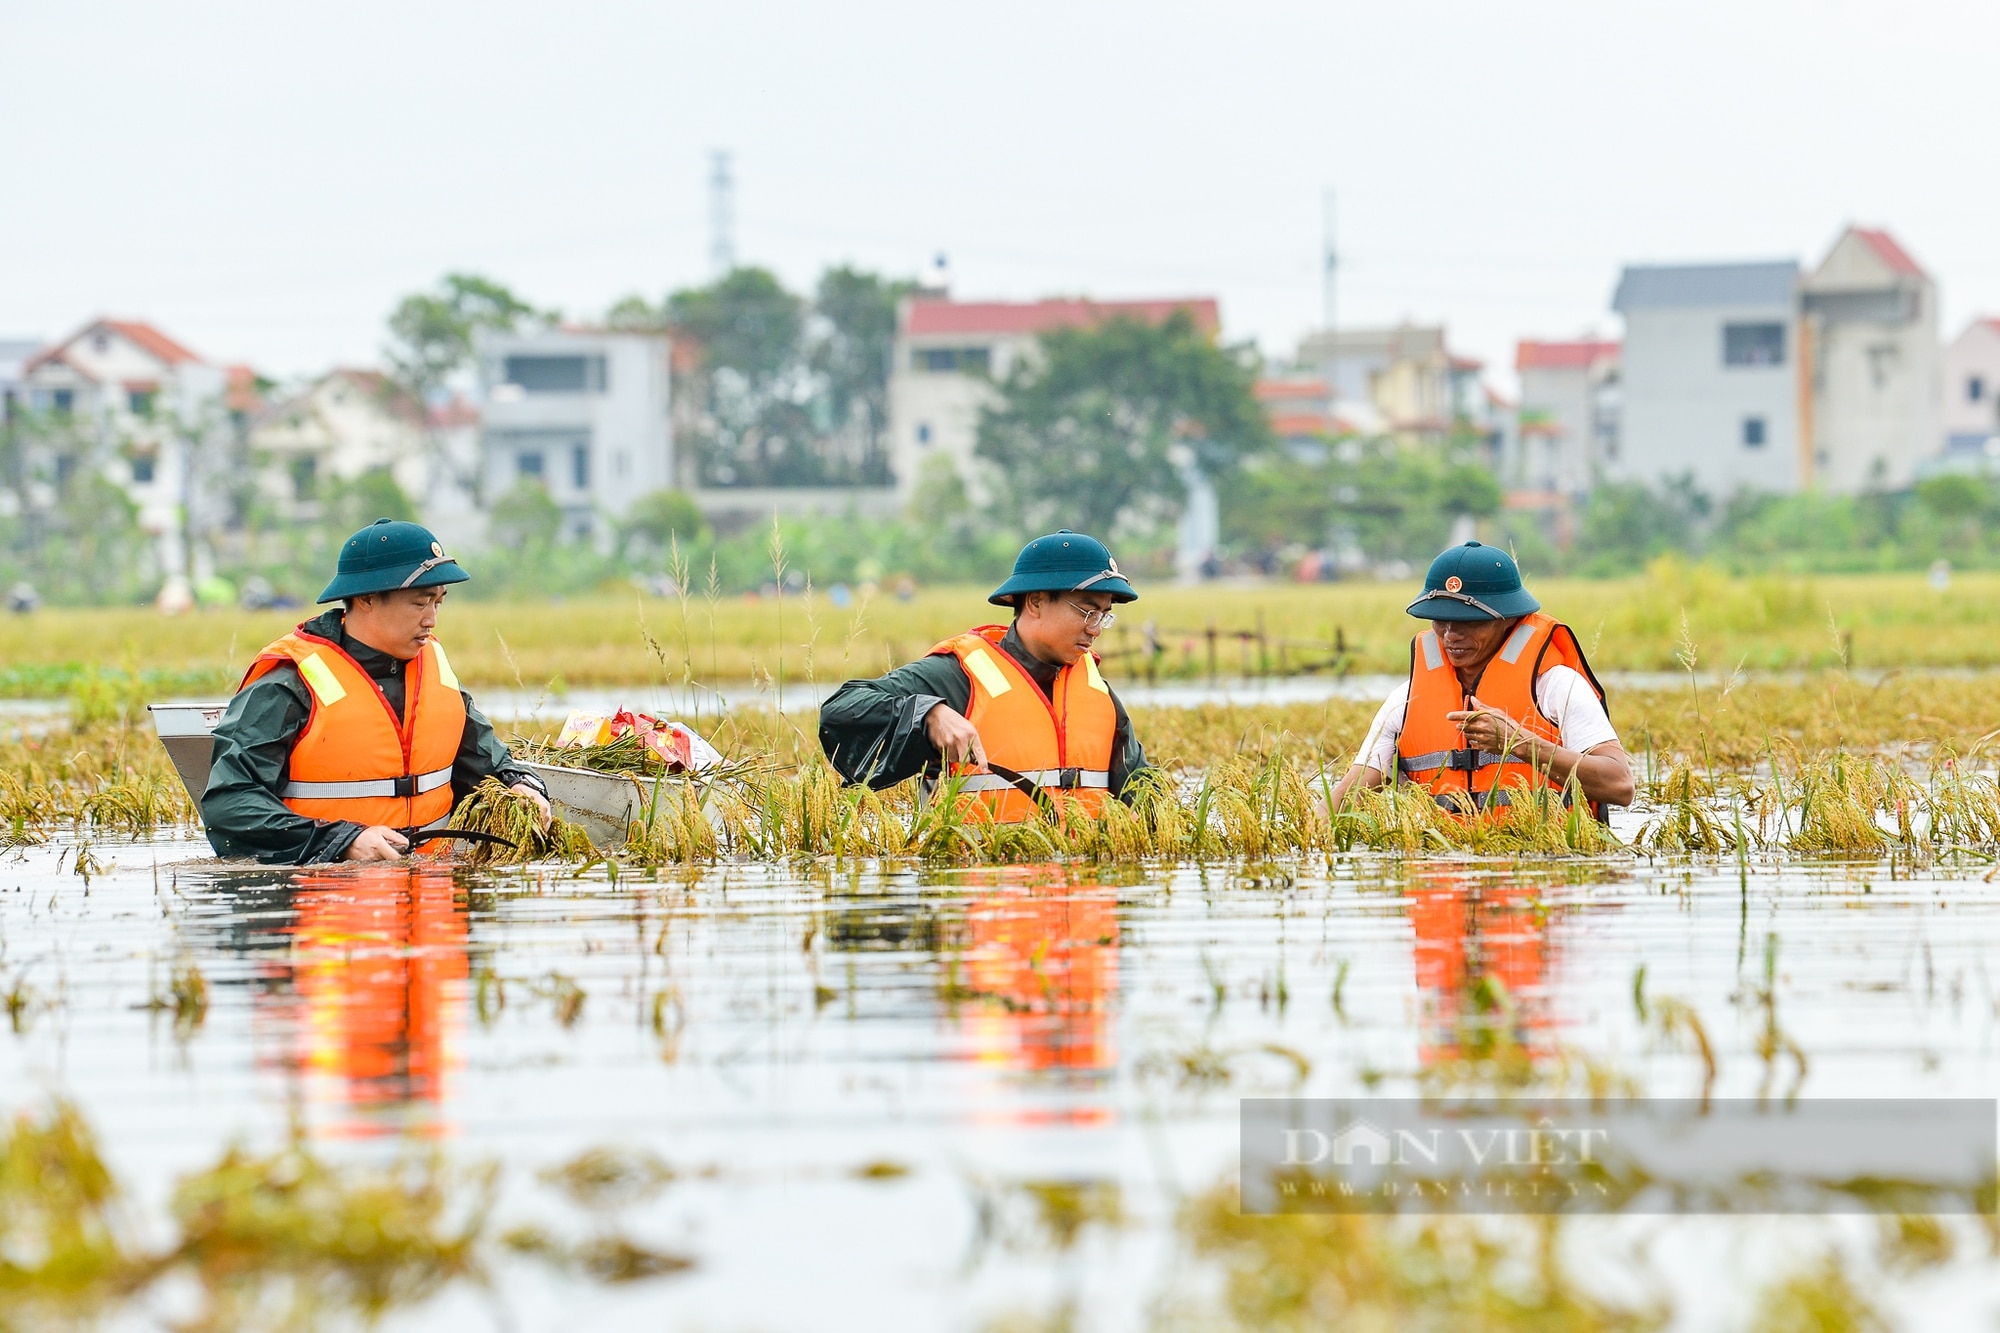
<point x="1454" y="583"/>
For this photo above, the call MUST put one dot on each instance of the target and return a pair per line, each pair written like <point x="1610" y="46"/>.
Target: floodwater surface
<point x="882" y="1092"/>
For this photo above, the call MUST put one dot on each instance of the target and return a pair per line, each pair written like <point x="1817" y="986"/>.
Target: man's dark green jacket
<point x="253" y="759"/>
<point x="873" y="730"/>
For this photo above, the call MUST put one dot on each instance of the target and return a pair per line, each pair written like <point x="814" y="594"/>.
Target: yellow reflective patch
<point x="987" y="672"/>
<point x="446" y="676"/>
<point x="319" y="678"/>
<point x="1096" y="681"/>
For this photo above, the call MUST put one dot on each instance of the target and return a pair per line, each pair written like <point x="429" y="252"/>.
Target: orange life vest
<point x="1432" y="751"/>
<point x="1060" y="742"/>
<point x="355" y="760"/>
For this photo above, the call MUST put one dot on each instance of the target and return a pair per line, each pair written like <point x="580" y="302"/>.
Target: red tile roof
<point x="1291" y="426"/>
<point x="1580" y="355"/>
<point x="151" y="339"/>
<point x="1281" y="391"/>
<point x="1885" y="247"/>
<point x="928" y="317"/>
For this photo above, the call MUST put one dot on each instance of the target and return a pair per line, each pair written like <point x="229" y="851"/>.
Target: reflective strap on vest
<point x="1516" y="642"/>
<point x="1457" y="801"/>
<point x="1452" y="759"/>
<point x="1053" y="779"/>
<point x="342" y="791"/>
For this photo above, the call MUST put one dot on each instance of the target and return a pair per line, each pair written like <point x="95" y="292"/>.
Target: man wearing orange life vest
<point x="1500" y="700"/>
<point x="1019" y="712"/>
<point x="353" y="726"/>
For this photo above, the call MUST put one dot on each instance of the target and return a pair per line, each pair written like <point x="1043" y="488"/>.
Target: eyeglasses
<point x="1093" y="619"/>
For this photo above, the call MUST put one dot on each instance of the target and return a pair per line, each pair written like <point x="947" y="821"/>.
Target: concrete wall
<point x="1969" y="417"/>
<point x="1684" y="409"/>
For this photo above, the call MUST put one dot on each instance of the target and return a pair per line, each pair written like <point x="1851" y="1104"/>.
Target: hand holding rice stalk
<point x="492" y="808"/>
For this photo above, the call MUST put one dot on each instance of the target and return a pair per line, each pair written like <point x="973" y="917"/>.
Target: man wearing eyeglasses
<point x="352" y="730"/>
<point x="1016" y="716"/>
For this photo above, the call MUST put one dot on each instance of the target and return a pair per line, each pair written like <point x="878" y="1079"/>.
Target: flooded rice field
<point x="753" y="1096"/>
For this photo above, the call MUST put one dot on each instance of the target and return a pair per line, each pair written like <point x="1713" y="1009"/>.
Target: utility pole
<point x="1329" y="262"/>
<point x="721" y="215"/>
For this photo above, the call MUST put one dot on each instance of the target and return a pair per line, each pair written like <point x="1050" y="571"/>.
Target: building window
<point x="140" y="401"/>
<point x="1975" y="389"/>
<point x="1753" y="432"/>
<point x="64" y="402"/>
<point x="579" y="466"/>
<point x="305" y="477"/>
<point x="100" y="342"/>
<point x="952" y="360"/>
<point x="528" y="465"/>
<point x="923" y="432"/>
<point x="142" y="469"/>
<point x="1753" y="344"/>
<point x="555" y="374"/>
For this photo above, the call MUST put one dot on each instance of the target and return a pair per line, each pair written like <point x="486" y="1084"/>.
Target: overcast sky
<point x="264" y="180"/>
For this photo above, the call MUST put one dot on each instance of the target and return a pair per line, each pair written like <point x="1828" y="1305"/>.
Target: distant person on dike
<point x="353" y="726"/>
<point x="1500" y="699"/>
<point x="1018" y="713"/>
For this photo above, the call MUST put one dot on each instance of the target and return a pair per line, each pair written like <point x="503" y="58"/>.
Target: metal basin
<point x="605" y="804"/>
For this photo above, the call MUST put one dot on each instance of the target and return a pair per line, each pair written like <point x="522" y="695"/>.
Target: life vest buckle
<point x="1466" y="761"/>
<point x="406" y="786"/>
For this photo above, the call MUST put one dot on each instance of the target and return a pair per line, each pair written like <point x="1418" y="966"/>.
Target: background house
<point x="583" y="412"/>
<point x="1870" y="318"/>
<point x="1710" y="379"/>
<point x="1406" y="374"/>
<point x="1568" y="418"/>
<point x="948" y="354"/>
<point x="137" y="407"/>
<point x="1971" y="384"/>
<point x="346" y="423"/>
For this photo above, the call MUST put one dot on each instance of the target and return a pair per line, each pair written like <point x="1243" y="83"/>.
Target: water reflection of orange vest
<point x="356" y="759"/>
<point x="379" y="963"/>
<point x="1473" y="930"/>
<point x="1043" y="956"/>
<point x="1061" y="740"/>
<point x="1432" y="752"/>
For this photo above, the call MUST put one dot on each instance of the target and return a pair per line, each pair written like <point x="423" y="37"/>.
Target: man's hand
<point x="1488" y="729"/>
<point x="378" y="843"/>
<point x="541" y="802"/>
<point x="957" y="740"/>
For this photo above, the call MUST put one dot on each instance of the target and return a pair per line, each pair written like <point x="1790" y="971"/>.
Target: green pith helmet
<point x="1064" y="562"/>
<point x="1473" y="582"/>
<point x="387" y="555"/>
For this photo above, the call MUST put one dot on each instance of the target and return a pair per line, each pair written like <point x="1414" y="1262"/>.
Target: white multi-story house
<point x="1568" y="418"/>
<point x="949" y="354"/>
<point x="152" y="416"/>
<point x="1972" y="391"/>
<point x="1870" y="316"/>
<point x="1752" y="376"/>
<point x="345" y="423"/>
<point x="583" y="412"/>
<point x="1711" y="378"/>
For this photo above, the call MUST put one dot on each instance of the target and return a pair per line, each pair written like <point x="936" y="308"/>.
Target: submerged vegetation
<point x="282" y="1239"/>
<point x="1823" y="765"/>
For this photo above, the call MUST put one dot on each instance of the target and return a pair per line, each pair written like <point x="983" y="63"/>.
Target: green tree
<point x="525" y="519"/>
<point x="745" y="322"/>
<point x="432" y="332"/>
<point x="659" y="520"/>
<point x="851" y="358"/>
<point x="1096" y="428"/>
